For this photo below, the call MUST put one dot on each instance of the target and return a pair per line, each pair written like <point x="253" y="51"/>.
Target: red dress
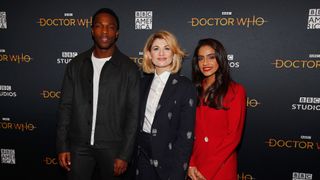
<point x="217" y="135"/>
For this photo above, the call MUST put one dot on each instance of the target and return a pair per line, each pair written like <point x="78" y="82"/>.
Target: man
<point x="98" y="112"/>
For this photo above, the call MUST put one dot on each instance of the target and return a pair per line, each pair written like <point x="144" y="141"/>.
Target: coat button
<point x="206" y="139"/>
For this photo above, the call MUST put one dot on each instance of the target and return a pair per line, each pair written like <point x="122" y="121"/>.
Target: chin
<point x="104" y="47"/>
<point x="207" y="74"/>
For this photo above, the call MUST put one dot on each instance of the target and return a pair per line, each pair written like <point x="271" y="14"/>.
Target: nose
<point x="205" y="61"/>
<point x="161" y="52"/>
<point x="105" y="29"/>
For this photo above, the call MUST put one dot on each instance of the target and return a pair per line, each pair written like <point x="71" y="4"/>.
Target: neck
<point x="159" y="71"/>
<point x="208" y="82"/>
<point x="103" y="53"/>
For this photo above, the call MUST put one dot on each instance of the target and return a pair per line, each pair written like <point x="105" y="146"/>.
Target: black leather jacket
<point x="118" y="101"/>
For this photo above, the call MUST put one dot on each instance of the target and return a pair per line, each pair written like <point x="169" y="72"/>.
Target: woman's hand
<point x="194" y="174"/>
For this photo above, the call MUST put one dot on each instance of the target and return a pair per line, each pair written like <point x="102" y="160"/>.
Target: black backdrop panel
<point x="273" y="50"/>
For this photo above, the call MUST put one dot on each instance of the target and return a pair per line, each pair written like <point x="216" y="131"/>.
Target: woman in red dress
<point x="220" y="114"/>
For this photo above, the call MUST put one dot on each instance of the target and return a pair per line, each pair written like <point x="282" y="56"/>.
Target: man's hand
<point x="64" y="160"/>
<point x="119" y="167"/>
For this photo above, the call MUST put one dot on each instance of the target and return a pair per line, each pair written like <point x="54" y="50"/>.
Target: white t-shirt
<point x="97" y="67"/>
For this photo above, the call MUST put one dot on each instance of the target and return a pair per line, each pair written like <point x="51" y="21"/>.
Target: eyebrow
<point x="159" y="46"/>
<point x="211" y="54"/>
<point x="208" y="54"/>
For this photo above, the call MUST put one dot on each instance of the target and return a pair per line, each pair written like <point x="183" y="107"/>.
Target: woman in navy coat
<point x="168" y="104"/>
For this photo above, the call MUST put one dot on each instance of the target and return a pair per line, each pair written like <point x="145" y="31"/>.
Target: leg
<point x="105" y="159"/>
<point x="144" y="170"/>
<point x="82" y="163"/>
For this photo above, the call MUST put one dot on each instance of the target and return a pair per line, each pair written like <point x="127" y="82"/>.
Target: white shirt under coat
<point x="156" y="89"/>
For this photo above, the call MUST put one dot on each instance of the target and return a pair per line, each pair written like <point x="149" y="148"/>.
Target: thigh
<point x="144" y="170"/>
<point x="82" y="163"/>
<point x="105" y="159"/>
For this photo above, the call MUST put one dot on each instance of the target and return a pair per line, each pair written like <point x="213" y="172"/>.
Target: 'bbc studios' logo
<point x="232" y="62"/>
<point x="7" y="91"/>
<point x="301" y="176"/>
<point x="226" y="20"/>
<point x="6" y="124"/>
<point x="307" y="104"/>
<point x="8" y="156"/>
<point x="314" y="19"/>
<point x="66" y="57"/>
<point x="143" y="20"/>
<point x="14" y="58"/>
<point x="50" y="94"/>
<point x="305" y="143"/>
<point x="3" y="20"/>
<point x="66" y="21"/>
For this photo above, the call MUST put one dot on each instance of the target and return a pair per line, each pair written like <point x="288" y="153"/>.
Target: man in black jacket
<point x="98" y="111"/>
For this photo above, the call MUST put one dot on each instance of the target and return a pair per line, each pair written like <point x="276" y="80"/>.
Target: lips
<point x="104" y="39"/>
<point x="162" y="59"/>
<point x="206" y="68"/>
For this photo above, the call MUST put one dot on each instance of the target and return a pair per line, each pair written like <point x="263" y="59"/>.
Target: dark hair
<point x="107" y="11"/>
<point x="216" y="91"/>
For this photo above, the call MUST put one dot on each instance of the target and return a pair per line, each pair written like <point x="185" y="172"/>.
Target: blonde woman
<point x="165" y="138"/>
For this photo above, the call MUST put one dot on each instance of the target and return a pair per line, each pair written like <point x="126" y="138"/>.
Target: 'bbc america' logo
<point x="143" y="20"/>
<point x="3" y="20"/>
<point x="8" y="156"/>
<point x="314" y="19"/>
<point x="301" y="176"/>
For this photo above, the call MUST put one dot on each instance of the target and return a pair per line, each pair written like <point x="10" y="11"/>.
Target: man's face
<point x="104" y="31"/>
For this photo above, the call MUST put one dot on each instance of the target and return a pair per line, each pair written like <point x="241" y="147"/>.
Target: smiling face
<point x="104" y="32"/>
<point x="207" y="61"/>
<point x="161" y="55"/>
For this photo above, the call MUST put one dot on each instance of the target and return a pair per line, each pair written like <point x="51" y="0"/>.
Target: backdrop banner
<point x="273" y="49"/>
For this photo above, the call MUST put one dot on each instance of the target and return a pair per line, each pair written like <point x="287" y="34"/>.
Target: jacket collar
<point x="167" y="93"/>
<point x="114" y="59"/>
<point x="168" y="90"/>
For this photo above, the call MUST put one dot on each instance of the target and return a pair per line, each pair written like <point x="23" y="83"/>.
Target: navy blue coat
<point x="173" y="125"/>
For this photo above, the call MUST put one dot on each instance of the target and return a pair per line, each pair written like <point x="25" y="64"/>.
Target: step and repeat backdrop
<point x="273" y="50"/>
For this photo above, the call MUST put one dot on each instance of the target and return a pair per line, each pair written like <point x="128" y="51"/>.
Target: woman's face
<point x="207" y="61"/>
<point x="161" y="55"/>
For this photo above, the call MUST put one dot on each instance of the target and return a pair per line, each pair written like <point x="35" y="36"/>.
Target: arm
<point x="131" y="117"/>
<point x="131" y="123"/>
<point x="64" y="118"/>
<point x="184" y="142"/>
<point x="235" y="118"/>
<point x="193" y="172"/>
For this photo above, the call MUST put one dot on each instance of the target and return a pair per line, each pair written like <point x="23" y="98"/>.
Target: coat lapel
<point x="168" y="91"/>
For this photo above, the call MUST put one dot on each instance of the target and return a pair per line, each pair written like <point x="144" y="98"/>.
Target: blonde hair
<point x="178" y="53"/>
